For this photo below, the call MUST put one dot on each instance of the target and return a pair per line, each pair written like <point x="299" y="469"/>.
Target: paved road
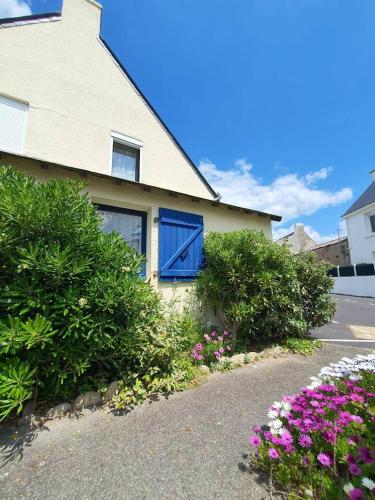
<point x="191" y="446"/>
<point x="354" y="322"/>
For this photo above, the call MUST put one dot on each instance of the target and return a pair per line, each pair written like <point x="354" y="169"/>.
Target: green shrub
<point x="315" y="284"/>
<point x="72" y="305"/>
<point x="259" y="289"/>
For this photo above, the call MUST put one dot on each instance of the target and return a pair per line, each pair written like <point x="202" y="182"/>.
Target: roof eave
<point x="147" y="187"/>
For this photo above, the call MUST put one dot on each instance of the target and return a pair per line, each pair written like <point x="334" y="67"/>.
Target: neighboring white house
<point x="69" y="108"/>
<point x="360" y="225"/>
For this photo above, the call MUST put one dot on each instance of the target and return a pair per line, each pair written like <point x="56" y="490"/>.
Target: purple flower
<point x="354" y="469"/>
<point x="255" y="441"/>
<point x="355" y="494"/>
<point x="324" y="459"/>
<point x="350" y="459"/>
<point x="213" y="333"/>
<point x="220" y="339"/>
<point x="357" y="419"/>
<point x="199" y="357"/>
<point x="198" y="347"/>
<point x="226" y="333"/>
<point x="221" y="350"/>
<point x="305" y="441"/>
<point x="267" y="435"/>
<point x="330" y="436"/>
<point x="273" y="454"/>
<point x="365" y="455"/>
<point x="305" y="461"/>
<point x="286" y="437"/>
<point x="257" y="428"/>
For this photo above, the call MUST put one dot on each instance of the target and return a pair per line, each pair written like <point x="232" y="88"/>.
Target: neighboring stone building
<point x="334" y="251"/>
<point x="297" y="241"/>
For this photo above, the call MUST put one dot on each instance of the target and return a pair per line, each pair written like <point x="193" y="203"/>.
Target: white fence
<point x="362" y="286"/>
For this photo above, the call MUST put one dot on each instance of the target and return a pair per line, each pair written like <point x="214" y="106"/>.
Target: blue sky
<point x="273" y="99"/>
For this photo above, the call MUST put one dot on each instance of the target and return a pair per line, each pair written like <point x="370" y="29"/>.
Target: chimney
<point x="299" y="228"/>
<point x="83" y="15"/>
<point x="372" y="173"/>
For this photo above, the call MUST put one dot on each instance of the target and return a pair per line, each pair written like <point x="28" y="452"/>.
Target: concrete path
<point x="191" y="446"/>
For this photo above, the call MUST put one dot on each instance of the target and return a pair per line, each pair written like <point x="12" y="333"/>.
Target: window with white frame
<point x="13" y="118"/>
<point x="372" y="223"/>
<point x="126" y="157"/>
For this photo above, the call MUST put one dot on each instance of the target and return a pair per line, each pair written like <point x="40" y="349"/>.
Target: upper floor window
<point x="13" y="117"/>
<point x="372" y="223"/>
<point x="126" y="157"/>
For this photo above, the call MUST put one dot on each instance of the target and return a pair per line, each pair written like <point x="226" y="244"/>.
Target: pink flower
<point x="273" y="454"/>
<point x="354" y="469"/>
<point x="200" y="357"/>
<point x="226" y="333"/>
<point x="213" y="333"/>
<point x="229" y="348"/>
<point x="255" y="441"/>
<point x="221" y="350"/>
<point x="198" y="347"/>
<point x="220" y="339"/>
<point x="305" y="441"/>
<point x="324" y="459"/>
<point x="257" y="429"/>
<point x="357" y="419"/>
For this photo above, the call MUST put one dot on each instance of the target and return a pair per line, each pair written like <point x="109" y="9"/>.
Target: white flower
<point x="348" y="487"/>
<point x="277" y="404"/>
<point x="286" y="406"/>
<point x="272" y="414"/>
<point x="368" y="483"/>
<point x="276" y="424"/>
<point x="82" y="301"/>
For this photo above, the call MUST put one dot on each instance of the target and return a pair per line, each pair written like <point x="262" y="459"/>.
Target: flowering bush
<point x="212" y="349"/>
<point x="320" y="442"/>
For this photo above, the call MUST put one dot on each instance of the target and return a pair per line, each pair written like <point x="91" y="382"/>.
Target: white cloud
<point x="14" y="8"/>
<point x="289" y="195"/>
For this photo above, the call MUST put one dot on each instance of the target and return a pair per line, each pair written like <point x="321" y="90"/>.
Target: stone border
<point x="92" y="399"/>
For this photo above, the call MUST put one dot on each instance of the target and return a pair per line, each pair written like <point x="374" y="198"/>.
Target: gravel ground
<point x="191" y="445"/>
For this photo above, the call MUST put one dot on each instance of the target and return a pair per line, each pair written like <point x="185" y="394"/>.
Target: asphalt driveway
<point x="353" y="324"/>
<point x="192" y="445"/>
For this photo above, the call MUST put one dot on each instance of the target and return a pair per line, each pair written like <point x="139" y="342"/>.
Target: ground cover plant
<point x="212" y="349"/>
<point x="261" y="291"/>
<point x="320" y="443"/>
<point x="73" y="309"/>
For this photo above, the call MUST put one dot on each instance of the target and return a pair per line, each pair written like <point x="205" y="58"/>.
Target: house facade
<point x="360" y="226"/>
<point x="68" y="108"/>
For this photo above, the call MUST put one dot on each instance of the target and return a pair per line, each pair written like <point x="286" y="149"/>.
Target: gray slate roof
<point x="366" y="198"/>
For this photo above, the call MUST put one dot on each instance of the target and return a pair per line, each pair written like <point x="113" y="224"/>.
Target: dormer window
<point x="126" y="157"/>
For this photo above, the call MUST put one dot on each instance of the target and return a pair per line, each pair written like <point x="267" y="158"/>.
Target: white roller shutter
<point x="13" y="118"/>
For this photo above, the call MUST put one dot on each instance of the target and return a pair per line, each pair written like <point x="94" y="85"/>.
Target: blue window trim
<point x="143" y="215"/>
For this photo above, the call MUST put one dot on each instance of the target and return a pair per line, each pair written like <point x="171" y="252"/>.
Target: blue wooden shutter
<point x="180" y="245"/>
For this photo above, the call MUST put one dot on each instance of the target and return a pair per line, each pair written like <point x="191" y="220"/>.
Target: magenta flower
<point x="357" y="419"/>
<point x="257" y="428"/>
<point x="213" y="333"/>
<point x="355" y="494"/>
<point x="324" y="459"/>
<point x="305" y="441"/>
<point x="354" y="469"/>
<point x="273" y="454"/>
<point x="255" y="441"/>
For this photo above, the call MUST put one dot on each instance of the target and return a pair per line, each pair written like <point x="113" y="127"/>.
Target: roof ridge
<point x="31" y="17"/>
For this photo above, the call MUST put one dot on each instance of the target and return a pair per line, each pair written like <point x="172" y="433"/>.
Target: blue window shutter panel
<point x="180" y="245"/>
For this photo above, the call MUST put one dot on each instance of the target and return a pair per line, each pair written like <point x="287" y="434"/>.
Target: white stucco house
<point x="69" y="108"/>
<point x="360" y="225"/>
